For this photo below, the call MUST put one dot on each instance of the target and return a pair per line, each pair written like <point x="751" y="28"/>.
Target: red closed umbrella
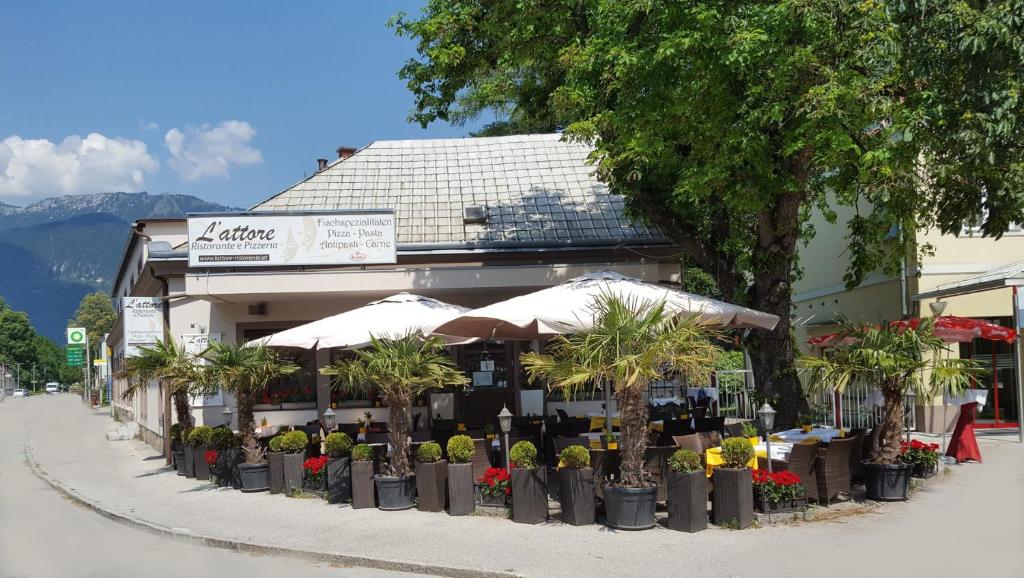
<point x="947" y="327"/>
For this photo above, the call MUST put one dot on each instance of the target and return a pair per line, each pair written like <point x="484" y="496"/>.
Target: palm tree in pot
<point x="244" y="372"/>
<point x="399" y="369"/>
<point x="898" y="359"/>
<point x="631" y="344"/>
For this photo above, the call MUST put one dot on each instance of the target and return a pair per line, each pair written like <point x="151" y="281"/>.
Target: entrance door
<point x="491" y="368"/>
<point x="996" y="357"/>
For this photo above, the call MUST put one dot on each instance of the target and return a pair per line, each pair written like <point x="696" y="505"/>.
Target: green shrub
<point x="749" y="429"/>
<point x="275" y="443"/>
<point x="685" y="461"/>
<point x="736" y="452"/>
<point x="362" y="453"/>
<point x="429" y="452"/>
<point x="575" y="457"/>
<point x="523" y="455"/>
<point x="176" y="431"/>
<point x="223" y="438"/>
<point x="294" y="442"/>
<point x="200" y="436"/>
<point x="338" y="444"/>
<point x="460" y="449"/>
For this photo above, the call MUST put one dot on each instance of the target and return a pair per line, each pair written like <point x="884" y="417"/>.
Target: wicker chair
<point x="481" y="457"/>
<point x="834" y="469"/>
<point x="656" y="464"/>
<point x="689" y="442"/>
<point x="707" y="424"/>
<point x="803" y="461"/>
<point x="733" y="430"/>
<point x="672" y="428"/>
<point x="710" y="439"/>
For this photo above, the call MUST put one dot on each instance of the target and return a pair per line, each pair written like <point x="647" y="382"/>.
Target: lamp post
<point x="328" y="419"/>
<point x="767" y="415"/>
<point x="226" y="414"/>
<point x="505" y="422"/>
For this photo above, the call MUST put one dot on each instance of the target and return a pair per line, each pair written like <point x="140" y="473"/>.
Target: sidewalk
<point x="129" y="479"/>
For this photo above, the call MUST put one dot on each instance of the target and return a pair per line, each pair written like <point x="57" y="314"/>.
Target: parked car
<point x="20" y="393"/>
<point x="52" y="387"/>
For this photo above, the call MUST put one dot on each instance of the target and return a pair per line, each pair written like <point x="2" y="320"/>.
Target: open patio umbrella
<point x="947" y="327"/>
<point x="389" y="317"/>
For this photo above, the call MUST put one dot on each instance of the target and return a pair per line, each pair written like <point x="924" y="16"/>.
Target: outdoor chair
<point x="379" y="426"/>
<point x="733" y="430"/>
<point x="656" y="464"/>
<point x="476" y="433"/>
<point x="709" y="439"/>
<point x="709" y="424"/>
<point x="561" y="414"/>
<point x="350" y="429"/>
<point x="803" y="461"/>
<point x="834" y="469"/>
<point x="689" y="442"/>
<point x="441" y="424"/>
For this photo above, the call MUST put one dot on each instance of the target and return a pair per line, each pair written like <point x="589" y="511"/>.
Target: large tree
<point x="96" y="313"/>
<point x="727" y="123"/>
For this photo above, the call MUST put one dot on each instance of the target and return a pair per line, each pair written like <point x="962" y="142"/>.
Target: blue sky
<point x="230" y="101"/>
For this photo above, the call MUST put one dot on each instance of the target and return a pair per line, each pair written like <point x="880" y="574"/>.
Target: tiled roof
<point x="536" y="189"/>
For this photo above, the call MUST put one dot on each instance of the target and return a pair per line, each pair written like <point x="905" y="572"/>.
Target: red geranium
<point x="777" y="486"/>
<point x="211" y="457"/>
<point x="495" y="481"/>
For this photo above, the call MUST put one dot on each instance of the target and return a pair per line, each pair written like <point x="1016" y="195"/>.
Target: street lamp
<point x="328" y="419"/>
<point x="937" y="307"/>
<point x="505" y="422"/>
<point x="226" y="414"/>
<point x="767" y="415"/>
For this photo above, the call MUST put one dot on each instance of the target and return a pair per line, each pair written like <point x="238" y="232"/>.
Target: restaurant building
<point x="467" y="221"/>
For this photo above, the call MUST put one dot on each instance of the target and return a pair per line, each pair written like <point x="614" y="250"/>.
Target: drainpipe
<point x="904" y="309"/>
<point x="165" y="292"/>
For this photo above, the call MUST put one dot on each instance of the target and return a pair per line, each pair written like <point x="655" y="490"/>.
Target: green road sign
<point x="76" y="355"/>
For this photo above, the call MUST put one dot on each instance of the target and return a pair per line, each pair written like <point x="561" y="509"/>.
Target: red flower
<point x="211" y="457"/>
<point x="315" y="465"/>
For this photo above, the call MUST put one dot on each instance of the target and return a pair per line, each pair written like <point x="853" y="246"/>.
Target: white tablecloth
<point x="780" y="450"/>
<point x="659" y="401"/>
<point x="709" y="392"/>
<point x="978" y="396"/>
<point x="797" y="435"/>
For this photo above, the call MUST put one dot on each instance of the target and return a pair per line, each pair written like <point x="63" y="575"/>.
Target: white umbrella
<point x="393" y="316"/>
<point x="569" y="308"/>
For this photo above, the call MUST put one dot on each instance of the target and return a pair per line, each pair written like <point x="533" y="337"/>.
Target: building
<point x="477" y="220"/>
<point x="820" y="295"/>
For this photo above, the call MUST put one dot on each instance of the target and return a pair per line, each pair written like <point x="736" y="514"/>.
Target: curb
<point x="252" y="548"/>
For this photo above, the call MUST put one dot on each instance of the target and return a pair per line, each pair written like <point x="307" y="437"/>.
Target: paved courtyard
<point x="979" y="508"/>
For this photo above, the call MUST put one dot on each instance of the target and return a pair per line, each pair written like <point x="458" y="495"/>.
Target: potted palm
<point x="293" y="446"/>
<point x="400" y="370"/>
<point x="895" y="358"/>
<point x="460" y="475"/>
<point x="339" y="467"/>
<point x="199" y="439"/>
<point x="529" y="485"/>
<point x="733" y="497"/>
<point x="687" y="492"/>
<point x="362" y="477"/>
<point x="630" y="344"/>
<point x="431" y="478"/>
<point x="245" y="372"/>
<point x="576" y="486"/>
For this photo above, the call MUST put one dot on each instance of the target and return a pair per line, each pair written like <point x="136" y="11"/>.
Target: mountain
<point x="55" y="251"/>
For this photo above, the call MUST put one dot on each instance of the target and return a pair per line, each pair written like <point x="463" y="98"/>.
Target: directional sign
<point x="76" y="355"/>
<point x="76" y="336"/>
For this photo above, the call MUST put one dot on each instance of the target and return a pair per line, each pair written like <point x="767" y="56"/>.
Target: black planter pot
<point x="293" y="473"/>
<point x="687" y="501"/>
<point x="395" y="493"/>
<point x="783" y="507"/>
<point x="202" y="469"/>
<point x="226" y="470"/>
<point x="179" y="461"/>
<point x="363" y="487"/>
<point x="887" y="482"/>
<point x="576" y="493"/>
<point x="529" y="495"/>
<point x="189" y="461"/>
<point x="460" y="489"/>
<point x="275" y="464"/>
<point x="253" y="477"/>
<point x="733" y="497"/>
<point x="432" y="485"/>
<point x="339" y="480"/>
<point x="924" y="471"/>
<point x="630" y="508"/>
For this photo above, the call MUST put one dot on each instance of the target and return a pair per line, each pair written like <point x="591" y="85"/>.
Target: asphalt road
<point x="44" y="535"/>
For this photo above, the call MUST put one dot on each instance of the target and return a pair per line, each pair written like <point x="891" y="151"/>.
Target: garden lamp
<point x="505" y="422"/>
<point x="328" y="418"/>
<point x="226" y="414"/>
<point x="767" y="415"/>
<point x="937" y="307"/>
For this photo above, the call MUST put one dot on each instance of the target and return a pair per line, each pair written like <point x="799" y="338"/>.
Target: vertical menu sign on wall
<point x="195" y="344"/>
<point x="143" y="323"/>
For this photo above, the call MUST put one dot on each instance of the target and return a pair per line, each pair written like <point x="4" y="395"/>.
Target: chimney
<point x="321" y="164"/>
<point x="345" y="152"/>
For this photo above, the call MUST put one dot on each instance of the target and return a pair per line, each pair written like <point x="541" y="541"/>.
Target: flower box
<point x="785" y="506"/>
<point x="299" y="405"/>
<point x="265" y="406"/>
<point x="925" y="470"/>
<point x="489" y="500"/>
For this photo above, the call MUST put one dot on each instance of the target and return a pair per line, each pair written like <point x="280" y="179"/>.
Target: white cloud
<point x="211" y="151"/>
<point x="37" y="167"/>
<point x="148" y="125"/>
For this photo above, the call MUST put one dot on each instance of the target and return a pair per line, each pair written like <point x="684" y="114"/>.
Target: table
<point x="710" y="393"/>
<point x="595" y="438"/>
<point x="825" y="434"/>
<point x="780" y="451"/>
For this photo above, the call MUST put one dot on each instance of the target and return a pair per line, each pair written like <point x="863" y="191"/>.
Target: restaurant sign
<point x="271" y="239"/>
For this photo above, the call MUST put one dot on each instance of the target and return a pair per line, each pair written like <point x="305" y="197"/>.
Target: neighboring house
<point x="820" y="295"/>
<point x="478" y="220"/>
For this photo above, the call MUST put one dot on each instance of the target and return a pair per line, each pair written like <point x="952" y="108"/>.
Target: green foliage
<point x="362" y="453"/>
<point x="294" y="442"/>
<point x="223" y="438"/>
<point x="685" y="460"/>
<point x="175" y="432"/>
<point x="736" y="452"/>
<point x="200" y="436"/>
<point x="460" y="449"/>
<point x="523" y="455"/>
<point x="574" y="457"/>
<point x="749" y="429"/>
<point x="96" y="313"/>
<point x="429" y="452"/>
<point x="275" y="443"/>
<point x="338" y="444"/>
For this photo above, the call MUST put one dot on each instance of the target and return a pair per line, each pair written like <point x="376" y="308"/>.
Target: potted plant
<point x="314" y="480"/>
<point x="687" y="492"/>
<point x="460" y="475"/>
<point x="576" y="486"/>
<point x="224" y="441"/>
<point x="400" y="370"/>
<point x="609" y="442"/>
<point x="529" y="485"/>
<point x="177" y="451"/>
<point x="630" y="344"/>
<point x="922" y="457"/>
<point x="489" y="431"/>
<point x="431" y="478"/>
<point x="362" y="477"/>
<point x="806" y="424"/>
<point x="293" y="446"/>
<point x="244" y="372"/>
<point x="199" y="439"/>
<point x="896" y="358"/>
<point x="495" y="487"/>
<point x="189" y="460"/>
<point x="778" y="492"/>
<point x="338" y="447"/>
<point x="750" y="432"/>
<point x="275" y="464"/>
<point x="733" y="495"/>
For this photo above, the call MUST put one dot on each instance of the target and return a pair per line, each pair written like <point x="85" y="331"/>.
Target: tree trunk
<point x="398" y="426"/>
<point x="182" y="408"/>
<point x="886" y="435"/>
<point x="633" y="440"/>
<point x="245" y="427"/>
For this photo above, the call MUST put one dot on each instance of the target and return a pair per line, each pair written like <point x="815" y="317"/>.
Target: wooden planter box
<point x="687" y="501"/>
<point x="576" y="492"/>
<point x="733" y="498"/>
<point x="317" y="488"/>
<point x="275" y="464"/>
<point x="483" y="500"/>
<point x="460" y="489"/>
<point x="226" y="469"/>
<point x="784" y="507"/>
<point x="202" y="469"/>
<point x="363" y="488"/>
<point x="432" y="485"/>
<point x="189" y="462"/>
<point x="339" y="480"/>
<point x="293" y="472"/>
<point x="529" y="495"/>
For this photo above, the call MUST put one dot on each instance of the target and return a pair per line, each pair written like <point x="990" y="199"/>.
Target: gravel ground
<point x="853" y="539"/>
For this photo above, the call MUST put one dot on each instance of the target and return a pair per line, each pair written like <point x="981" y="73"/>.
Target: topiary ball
<point x="429" y="452"/>
<point x="223" y="438"/>
<point x="338" y="444"/>
<point x="362" y="453"/>
<point x="294" y="442"/>
<point x="685" y="460"/>
<point x="460" y="449"/>
<point x="275" y="443"/>
<point x="523" y="455"/>
<point x="200" y="436"/>
<point x="575" y="457"/>
<point x="736" y="452"/>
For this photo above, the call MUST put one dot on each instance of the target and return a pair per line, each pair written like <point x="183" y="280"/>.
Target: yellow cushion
<point x="776" y="438"/>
